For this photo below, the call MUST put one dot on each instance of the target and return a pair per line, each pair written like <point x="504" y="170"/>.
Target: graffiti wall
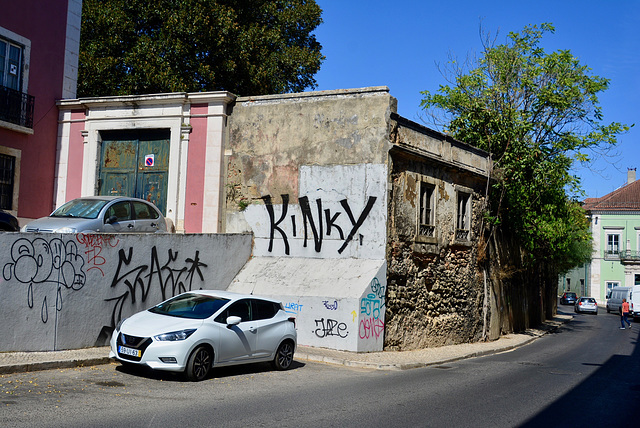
<point x="338" y="304"/>
<point x="69" y="291"/>
<point x="340" y="212"/>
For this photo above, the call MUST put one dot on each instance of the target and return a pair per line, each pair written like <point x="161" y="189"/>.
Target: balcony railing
<point x="16" y="107"/>
<point x="427" y="230"/>
<point x="462" y="235"/>
<point x="629" y="256"/>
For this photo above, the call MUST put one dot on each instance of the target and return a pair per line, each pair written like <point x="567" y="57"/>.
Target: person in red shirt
<point x="624" y="311"/>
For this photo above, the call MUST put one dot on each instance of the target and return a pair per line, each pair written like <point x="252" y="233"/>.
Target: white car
<point x="196" y="330"/>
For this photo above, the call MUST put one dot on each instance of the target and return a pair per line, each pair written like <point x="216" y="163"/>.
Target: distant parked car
<point x="108" y="214"/>
<point x="196" y="330"/>
<point x="586" y="304"/>
<point x="8" y="223"/>
<point x="568" y="298"/>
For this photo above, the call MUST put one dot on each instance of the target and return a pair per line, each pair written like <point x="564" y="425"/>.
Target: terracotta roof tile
<point x="626" y="198"/>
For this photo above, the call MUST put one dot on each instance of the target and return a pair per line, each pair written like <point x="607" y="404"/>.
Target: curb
<point x="52" y="365"/>
<point x="71" y="362"/>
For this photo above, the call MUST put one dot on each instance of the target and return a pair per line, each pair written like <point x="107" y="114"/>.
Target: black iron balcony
<point x="16" y="107"/>
<point x="630" y="256"/>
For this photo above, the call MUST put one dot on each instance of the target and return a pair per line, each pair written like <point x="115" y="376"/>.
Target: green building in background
<point x="615" y="226"/>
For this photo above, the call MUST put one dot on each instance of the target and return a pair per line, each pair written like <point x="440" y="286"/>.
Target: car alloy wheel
<point x="284" y="356"/>
<point x="199" y="364"/>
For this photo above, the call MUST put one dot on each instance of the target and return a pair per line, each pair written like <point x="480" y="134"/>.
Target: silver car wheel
<point x="199" y="364"/>
<point x="284" y="356"/>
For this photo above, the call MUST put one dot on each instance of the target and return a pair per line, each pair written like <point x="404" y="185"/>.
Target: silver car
<point x="106" y="214"/>
<point x="586" y="304"/>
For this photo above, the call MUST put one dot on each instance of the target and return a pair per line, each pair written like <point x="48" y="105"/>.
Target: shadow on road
<point x="215" y="373"/>
<point x="607" y="398"/>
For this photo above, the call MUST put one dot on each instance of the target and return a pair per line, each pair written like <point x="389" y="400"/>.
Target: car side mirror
<point x="233" y="320"/>
<point x="112" y="219"/>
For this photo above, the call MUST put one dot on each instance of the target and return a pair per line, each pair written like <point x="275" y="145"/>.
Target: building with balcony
<point x="615" y="225"/>
<point x="39" y="44"/>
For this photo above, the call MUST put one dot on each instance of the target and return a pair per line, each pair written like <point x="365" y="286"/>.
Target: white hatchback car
<point x="196" y="330"/>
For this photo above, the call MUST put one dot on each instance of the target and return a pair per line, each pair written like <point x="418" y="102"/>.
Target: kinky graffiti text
<point x="324" y="219"/>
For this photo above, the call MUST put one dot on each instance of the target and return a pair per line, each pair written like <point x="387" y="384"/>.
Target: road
<point x="585" y="373"/>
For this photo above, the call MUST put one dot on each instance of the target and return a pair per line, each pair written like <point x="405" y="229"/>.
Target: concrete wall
<point x="338" y="303"/>
<point x="308" y="175"/>
<point x="69" y="291"/>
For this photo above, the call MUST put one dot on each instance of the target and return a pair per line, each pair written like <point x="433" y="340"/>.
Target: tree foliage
<point x="536" y="113"/>
<point x="247" y="47"/>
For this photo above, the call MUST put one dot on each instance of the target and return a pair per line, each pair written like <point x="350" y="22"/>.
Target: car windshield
<point x="195" y="306"/>
<point x="81" y="208"/>
<point x="571" y="294"/>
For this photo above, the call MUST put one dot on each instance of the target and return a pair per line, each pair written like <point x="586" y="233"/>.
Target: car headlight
<point x="65" y="230"/>
<point x="175" y="335"/>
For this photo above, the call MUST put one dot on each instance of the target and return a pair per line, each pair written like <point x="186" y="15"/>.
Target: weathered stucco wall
<point x="271" y="137"/>
<point x="308" y="175"/>
<point x="435" y="290"/>
<point x="69" y="291"/>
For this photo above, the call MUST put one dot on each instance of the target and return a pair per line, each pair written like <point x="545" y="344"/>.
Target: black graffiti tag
<point x="40" y="262"/>
<point x="315" y="224"/>
<point x="171" y="278"/>
<point x="330" y="327"/>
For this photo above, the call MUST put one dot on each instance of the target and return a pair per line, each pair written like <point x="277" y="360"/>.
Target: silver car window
<point x="144" y="211"/>
<point x="80" y="208"/>
<point x="121" y="210"/>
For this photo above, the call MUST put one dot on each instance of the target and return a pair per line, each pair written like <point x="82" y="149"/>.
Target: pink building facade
<point x="39" y="44"/>
<point x="165" y="148"/>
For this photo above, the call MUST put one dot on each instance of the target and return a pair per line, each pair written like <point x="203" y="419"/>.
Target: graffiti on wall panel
<point x="330" y="327"/>
<point x="315" y="224"/>
<point x="292" y="307"/>
<point x="93" y="247"/>
<point x="40" y="263"/>
<point x="371" y="307"/>
<point x="172" y="278"/>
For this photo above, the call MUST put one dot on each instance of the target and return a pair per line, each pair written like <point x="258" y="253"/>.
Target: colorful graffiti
<point x="93" y="247"/>
<point x="371" y="307"/>
<point x="332" y="306"/>
<point x="292" y="307"/>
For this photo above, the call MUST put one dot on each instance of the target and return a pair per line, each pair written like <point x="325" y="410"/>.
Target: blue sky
<point x="399" y="44"/>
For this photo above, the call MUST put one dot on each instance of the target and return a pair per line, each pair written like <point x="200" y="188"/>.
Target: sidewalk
<point x="16" y="362"/>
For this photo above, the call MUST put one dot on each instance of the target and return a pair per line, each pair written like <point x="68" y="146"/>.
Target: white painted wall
<point x="335" y="188"/>
<point x="338" y="303"/>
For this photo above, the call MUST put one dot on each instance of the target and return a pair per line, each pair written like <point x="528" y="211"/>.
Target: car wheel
<point x="199" y="364"/>
<point x="284" y="356"/>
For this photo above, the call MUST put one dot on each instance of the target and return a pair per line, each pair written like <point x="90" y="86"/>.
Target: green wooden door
<point x="135" y="164"/>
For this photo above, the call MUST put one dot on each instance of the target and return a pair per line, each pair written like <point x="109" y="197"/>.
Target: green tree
<point x="247" y="47"/>
<point x="536" y="113"/>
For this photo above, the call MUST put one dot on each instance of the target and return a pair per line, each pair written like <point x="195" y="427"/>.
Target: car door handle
<point x="253" y="329"/>
<point x="130" y="226"/>
<point x="154" y="225"/>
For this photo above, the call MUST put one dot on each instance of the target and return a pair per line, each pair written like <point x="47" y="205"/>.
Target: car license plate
<point x="128" y="351"/>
